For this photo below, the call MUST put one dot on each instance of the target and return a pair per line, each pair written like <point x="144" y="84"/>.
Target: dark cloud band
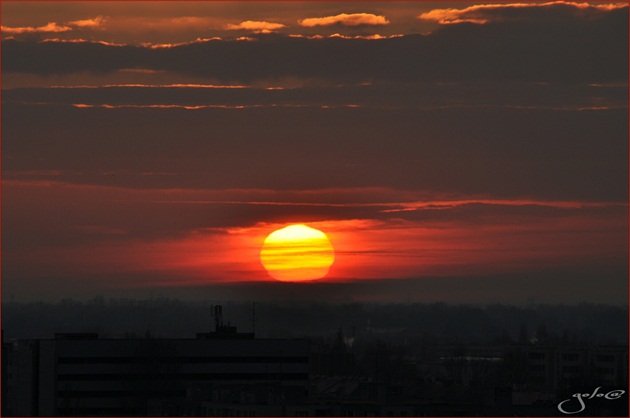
<point x="584" y="48"/>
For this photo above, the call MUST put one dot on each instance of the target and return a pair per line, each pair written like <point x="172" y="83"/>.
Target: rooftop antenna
<point x="217" y="312"/>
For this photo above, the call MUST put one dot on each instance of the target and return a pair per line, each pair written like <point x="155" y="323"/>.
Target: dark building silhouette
<point x="558" y="369"/>
<point x="82" y="375"/>
<point x="78" y="374"/>
<point x="227" y="373"/>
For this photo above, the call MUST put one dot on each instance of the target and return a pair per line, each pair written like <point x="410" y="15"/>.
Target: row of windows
<point x="149" y="376"/>
<point x="226" y="412"/>
<point x="603" y="358"/>
<point x="119" y="393"/>
<point x="183" y="359"/>
<point x="101" y="411"/>
<point x="606" y="371"/>
<point x="176" y="410"/>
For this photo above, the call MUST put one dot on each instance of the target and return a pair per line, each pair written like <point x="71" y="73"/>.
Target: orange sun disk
<point x="297" y="253"/>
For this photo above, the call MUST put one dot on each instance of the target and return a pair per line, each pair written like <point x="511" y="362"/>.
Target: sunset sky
<point x="450" y="151"/>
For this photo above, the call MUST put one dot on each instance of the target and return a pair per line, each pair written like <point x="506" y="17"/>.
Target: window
<point x="605" y="371"/>
<point x="537" y="368"/>
<point x="537" y="356"/>
<point x="570" y="357"/>
<point x="606" y="358"/>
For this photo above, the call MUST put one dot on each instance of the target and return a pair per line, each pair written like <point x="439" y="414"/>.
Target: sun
<point x="297" y="253"/>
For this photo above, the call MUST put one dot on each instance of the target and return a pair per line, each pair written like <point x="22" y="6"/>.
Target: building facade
<point x="559" y="369"/>
<point x="225" y="373"/>
<point x="79" y="374"/>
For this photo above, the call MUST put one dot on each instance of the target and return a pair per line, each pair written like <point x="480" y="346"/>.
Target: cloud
<point x="561" y="43"/>
<point x="499" y="151"/>
<point x="354" y="19"/>
<point x="112" y="93"/>
<point x="482" y="14"/>
<point x="51" y="27"/>
<point x="256" y="26"/>
<point x="94" y="23"/>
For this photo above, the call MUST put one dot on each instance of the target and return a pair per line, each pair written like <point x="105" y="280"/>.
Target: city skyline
<point x="450" y="151"/>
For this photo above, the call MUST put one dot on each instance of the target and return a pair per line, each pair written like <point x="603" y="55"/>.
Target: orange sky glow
<point x="157" y="144"/>
<point x="364" y="248"/>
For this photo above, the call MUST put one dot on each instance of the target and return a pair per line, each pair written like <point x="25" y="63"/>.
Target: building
<point x="559" y="369"/>
<point x="80" y="374"/>
<point x="226" y="373"/>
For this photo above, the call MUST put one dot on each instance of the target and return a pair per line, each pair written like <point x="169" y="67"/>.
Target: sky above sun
<point x="450" y="151"/>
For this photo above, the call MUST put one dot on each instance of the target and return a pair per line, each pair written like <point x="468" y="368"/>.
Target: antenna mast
<point x="217" y="312"/>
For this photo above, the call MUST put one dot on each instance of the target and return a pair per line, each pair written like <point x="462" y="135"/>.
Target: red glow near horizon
<point x="508" y="241"/>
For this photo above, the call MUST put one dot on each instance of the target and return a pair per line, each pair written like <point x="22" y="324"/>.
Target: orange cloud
<point x="354" y="19"/>
<point x="480" y="14"/>
<point x="51" y="27"/>
<point x="452" y="16"/>
<point x="174" y="45"/>
<point x="194" y="107"/>
<point x="256" y="26"/>
<point x="95" y="23"/>
<point x="375" y="36"/>
<point x="80" y="41"/>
